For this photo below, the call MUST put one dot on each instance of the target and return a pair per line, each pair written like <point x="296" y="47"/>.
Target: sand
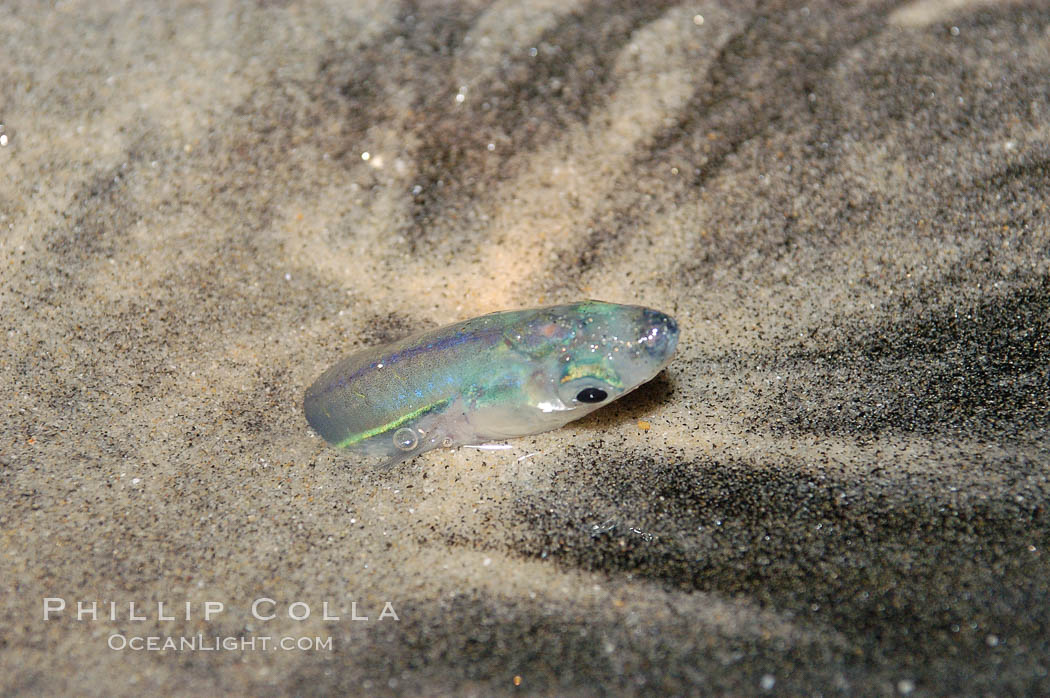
<point x="838" y="486"/>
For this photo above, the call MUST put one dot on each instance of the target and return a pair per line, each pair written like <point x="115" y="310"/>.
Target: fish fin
<point x="435" y="438"/>
<point x="397" y="458"/>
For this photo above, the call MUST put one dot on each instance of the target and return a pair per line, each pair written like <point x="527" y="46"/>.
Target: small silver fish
<point x="493" y="377"/>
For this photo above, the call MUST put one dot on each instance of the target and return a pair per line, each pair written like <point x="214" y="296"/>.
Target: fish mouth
<point x="660" y="335"/>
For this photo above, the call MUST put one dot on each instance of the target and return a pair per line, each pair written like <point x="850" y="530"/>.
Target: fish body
<point x="493" y="377"/>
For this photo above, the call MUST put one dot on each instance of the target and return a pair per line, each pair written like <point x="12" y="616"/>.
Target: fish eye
<point x="591" y="395"/>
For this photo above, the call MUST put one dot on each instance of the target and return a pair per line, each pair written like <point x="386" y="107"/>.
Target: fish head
<point x="598" y="352"/>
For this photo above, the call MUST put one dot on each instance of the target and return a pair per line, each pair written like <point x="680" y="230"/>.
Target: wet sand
<point x="838" y="486"/>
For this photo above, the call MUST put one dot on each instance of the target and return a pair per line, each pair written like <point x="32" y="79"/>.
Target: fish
<point x="494" y="377"/>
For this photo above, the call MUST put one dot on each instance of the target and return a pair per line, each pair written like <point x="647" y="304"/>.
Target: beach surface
<point x="839" y="486"/>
